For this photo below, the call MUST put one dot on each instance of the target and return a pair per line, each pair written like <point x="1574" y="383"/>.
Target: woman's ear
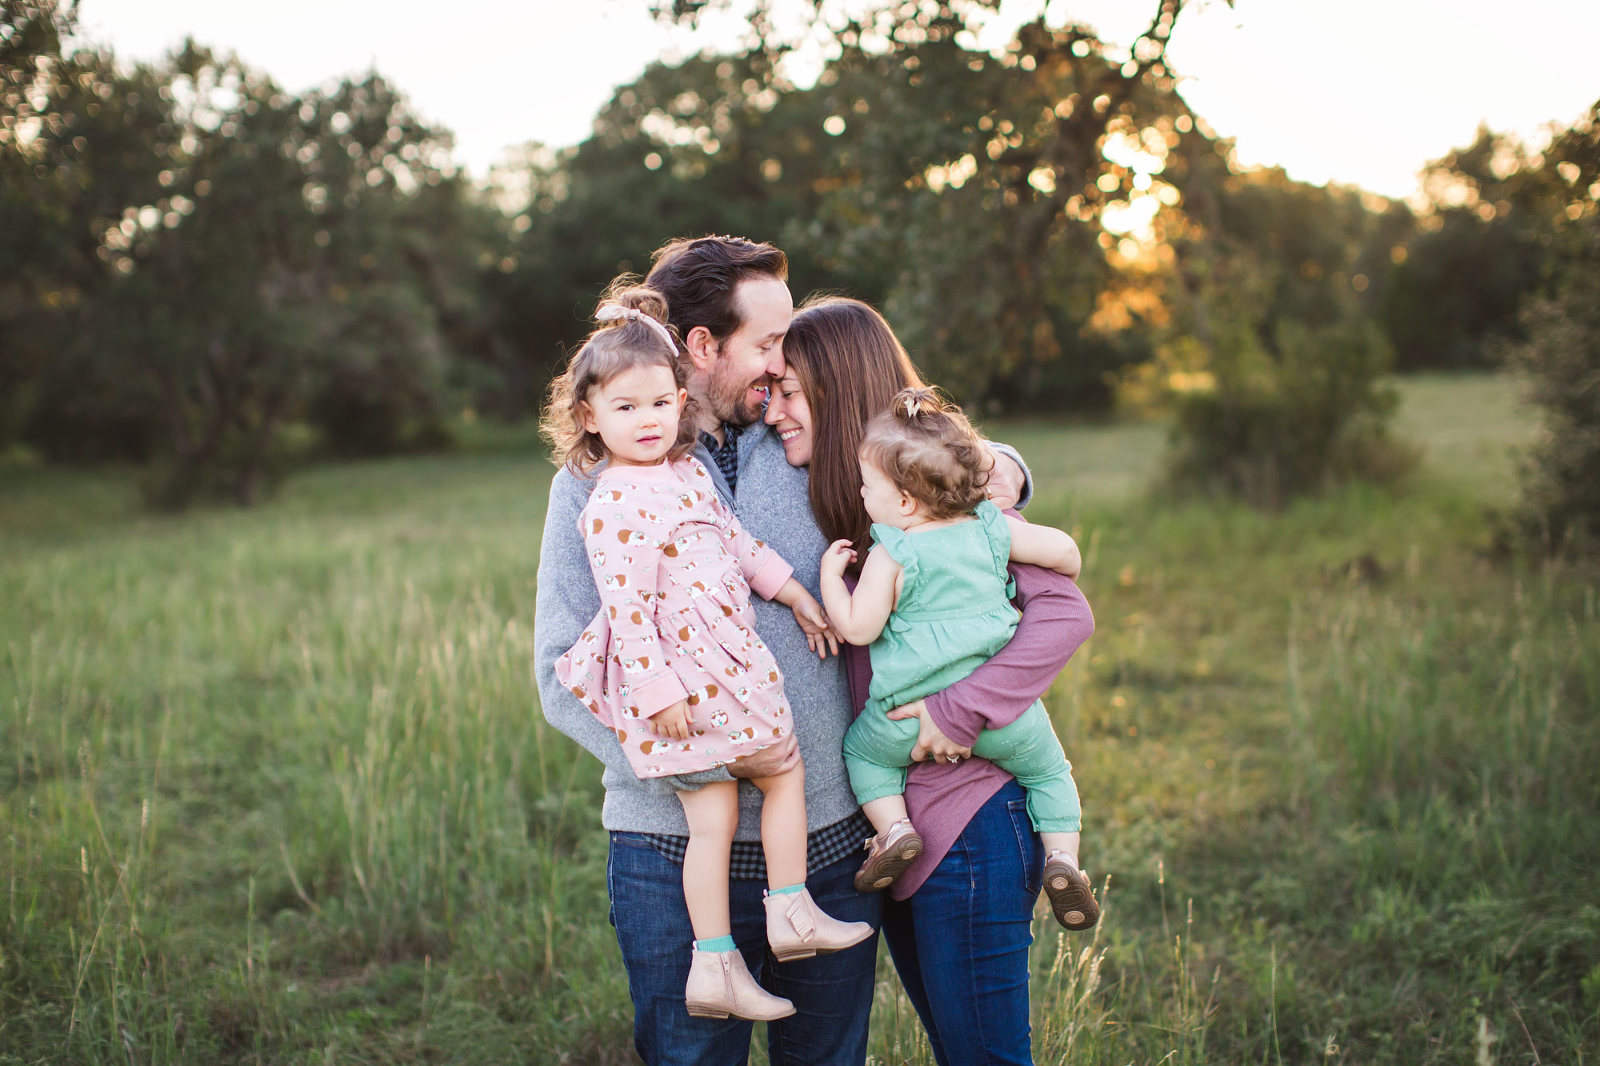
<point x="702" y="347"/>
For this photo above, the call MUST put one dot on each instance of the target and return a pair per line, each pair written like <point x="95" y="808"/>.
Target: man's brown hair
<point x="698" y="277"/>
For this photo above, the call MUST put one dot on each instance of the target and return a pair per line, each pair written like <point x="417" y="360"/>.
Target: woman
<point x="959" y="920"/>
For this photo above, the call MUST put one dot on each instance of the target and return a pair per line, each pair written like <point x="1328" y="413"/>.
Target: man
<point x="730" y="303"/>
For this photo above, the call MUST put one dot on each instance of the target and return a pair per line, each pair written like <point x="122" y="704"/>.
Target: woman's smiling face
<point x="789" y="414"/>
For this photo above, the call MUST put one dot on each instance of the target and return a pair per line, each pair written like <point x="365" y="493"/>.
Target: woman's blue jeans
<point x="961" y="941"/>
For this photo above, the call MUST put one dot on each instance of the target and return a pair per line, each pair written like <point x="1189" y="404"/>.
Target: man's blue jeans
<point x="832" y="993"/>
<point x="961" y="941"/>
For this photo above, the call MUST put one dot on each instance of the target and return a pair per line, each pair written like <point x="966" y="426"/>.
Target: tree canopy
<point x="199" y="268"/>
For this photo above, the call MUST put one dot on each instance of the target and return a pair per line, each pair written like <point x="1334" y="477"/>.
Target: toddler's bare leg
<point x="796" y="927"/>
<point x="1066" y="843"/>
<point x="884" y="811"/>
<point x="783" y="827"/>
<point x="713" y="814"/>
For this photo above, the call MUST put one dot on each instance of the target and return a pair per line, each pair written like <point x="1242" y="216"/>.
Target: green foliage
<point x="213" y="260"/>
<point x="961" y="191"/>
<point x="214" y="278"/>
<point x="1291" y="414"/>
<point x="1560" y="364"/>
<point x="1488" y="243"/>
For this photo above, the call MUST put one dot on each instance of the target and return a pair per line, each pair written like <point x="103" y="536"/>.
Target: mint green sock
<point x="716" y="943"/>
<point x="786" y="890"/>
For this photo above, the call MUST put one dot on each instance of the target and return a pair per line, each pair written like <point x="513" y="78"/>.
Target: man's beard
<point x="730" y="400"/>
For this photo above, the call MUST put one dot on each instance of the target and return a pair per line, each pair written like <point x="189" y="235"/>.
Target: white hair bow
<point x="612" y="312"/>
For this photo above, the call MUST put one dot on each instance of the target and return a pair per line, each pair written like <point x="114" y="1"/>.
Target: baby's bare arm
<point x="1044" y="546"/>
<point x="859" y="617"/>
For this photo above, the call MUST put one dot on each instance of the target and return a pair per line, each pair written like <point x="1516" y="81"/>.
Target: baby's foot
<point x="888" y="855"/>
<point x="1071" y="899"/>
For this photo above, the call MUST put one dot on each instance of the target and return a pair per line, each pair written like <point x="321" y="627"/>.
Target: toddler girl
<point x="934" y="602"/>
<point x="672" y="664"/>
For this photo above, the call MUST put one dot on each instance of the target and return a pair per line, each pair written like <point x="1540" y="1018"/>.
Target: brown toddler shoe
<point x="1071" y="899"/>
<point x="888" y="855"/>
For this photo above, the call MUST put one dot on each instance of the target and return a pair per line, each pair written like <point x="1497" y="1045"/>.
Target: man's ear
<point x="702" y="347"/>
<point x="586" y="416"/>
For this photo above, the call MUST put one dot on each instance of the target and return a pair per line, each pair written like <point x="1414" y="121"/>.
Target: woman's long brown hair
<point x="849" y="365"/>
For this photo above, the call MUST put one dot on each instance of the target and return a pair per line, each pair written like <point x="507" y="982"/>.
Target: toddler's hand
<point x="820" y="637"/>
<point x="673" y="722"/>
<point x="838" y="556"/>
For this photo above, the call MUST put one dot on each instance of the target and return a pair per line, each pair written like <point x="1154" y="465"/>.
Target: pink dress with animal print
<point x="675" y="570"/>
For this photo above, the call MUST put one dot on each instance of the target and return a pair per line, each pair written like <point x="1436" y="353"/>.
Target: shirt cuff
<point x="773" y="575"/>
<point x="659" y="693"/>
<point x="961" y="728"/>
<point x="1015" y="456"/>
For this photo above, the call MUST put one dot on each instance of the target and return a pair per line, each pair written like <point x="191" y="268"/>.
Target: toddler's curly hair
<point x="925" y="445"/>
<point x="622" y="342"/>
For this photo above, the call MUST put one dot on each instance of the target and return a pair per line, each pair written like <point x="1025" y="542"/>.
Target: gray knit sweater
<point x="772" y="505"/>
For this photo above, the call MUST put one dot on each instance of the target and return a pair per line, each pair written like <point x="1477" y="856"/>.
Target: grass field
<point x="275" y="786"/>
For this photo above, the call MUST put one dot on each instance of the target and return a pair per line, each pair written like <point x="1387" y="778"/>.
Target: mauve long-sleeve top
<point x="942" y="797"/>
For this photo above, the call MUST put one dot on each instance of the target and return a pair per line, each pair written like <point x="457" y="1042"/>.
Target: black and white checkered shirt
<point x="726" y="454"/>
<point x="747" y="862"/>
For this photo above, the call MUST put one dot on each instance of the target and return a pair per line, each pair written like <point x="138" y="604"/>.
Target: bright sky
<point x="1356" y="91"/>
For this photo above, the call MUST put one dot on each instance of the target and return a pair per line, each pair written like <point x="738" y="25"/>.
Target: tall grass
<point x="275" y="786"/>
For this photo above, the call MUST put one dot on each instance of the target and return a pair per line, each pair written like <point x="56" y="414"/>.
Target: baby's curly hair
<point x="620" y="343"/>
<point x="925" y="445"/>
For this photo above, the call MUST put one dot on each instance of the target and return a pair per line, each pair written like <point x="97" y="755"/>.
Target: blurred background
<point x="1294" y="310"/>
<point x="236" y="240"/>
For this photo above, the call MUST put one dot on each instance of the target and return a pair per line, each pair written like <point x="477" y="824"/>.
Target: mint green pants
<point x="877" y="750"/>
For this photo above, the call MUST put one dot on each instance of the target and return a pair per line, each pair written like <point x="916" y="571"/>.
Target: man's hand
<point x="931" y="741"/>
<point x="838" y="556"/>
<point x="673" y="722"/>
<point x="780" y="758"/>
<point x="1005" y="481"/>
<point x="819" y="638"/>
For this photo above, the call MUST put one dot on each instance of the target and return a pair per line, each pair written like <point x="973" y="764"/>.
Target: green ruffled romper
<point x="954" y="613"/>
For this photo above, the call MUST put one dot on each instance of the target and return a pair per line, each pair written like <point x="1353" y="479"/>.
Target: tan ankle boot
<point x="720" y="985"/>
<point x="798" y="929"/>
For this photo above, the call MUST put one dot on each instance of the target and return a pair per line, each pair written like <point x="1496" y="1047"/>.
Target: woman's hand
<point x="673" y="722"/>
<point x="931" y="741"/>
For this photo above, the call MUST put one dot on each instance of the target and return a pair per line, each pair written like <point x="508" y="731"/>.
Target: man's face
<point x="749" y="359"/>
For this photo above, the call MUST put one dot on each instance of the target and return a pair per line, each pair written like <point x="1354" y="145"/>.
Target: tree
<point x="964" y="190"/>
<point x="1487" y="243"/>
<point x="214" y="258"/>
<point x="1559" y="361"/>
